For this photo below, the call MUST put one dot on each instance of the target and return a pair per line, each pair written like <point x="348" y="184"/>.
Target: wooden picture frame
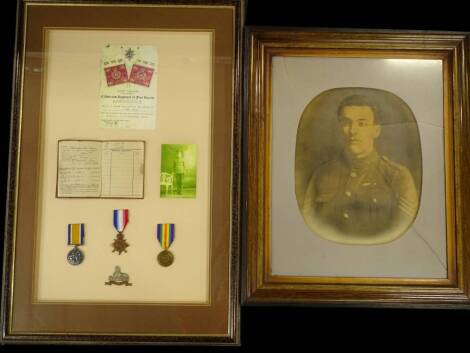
<point x="204" y="313"/>
<point x="285" y="261"/>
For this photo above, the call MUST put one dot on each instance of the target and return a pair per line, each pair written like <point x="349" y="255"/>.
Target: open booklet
<point x="107" y="169"/>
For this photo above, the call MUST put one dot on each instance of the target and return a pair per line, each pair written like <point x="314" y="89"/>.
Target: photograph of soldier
<point x="178" y="171"/>
<point x="360" y="194"/>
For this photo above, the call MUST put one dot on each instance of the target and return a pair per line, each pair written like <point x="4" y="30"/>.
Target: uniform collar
<point x="361" y="163"/>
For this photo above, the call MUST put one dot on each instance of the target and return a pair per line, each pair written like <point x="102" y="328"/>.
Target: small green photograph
<point x="178" y="171"/>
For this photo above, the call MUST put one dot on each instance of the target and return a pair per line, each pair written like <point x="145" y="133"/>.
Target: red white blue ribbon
<point x="120" y="219"/>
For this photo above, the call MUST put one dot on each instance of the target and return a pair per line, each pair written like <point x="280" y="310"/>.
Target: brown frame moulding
<point x="25" y="321"/>
<point x="259" y="285"/>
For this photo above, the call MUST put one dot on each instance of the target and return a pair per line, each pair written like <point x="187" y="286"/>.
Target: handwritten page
<point x="107" y="169"/>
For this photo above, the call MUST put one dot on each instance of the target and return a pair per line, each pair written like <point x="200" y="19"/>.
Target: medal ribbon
<point x="120" y="219"/>
<point x="76" y="234"/>
<point x="166" y="234"/>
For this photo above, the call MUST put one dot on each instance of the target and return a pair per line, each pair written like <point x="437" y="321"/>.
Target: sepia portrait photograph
<point x="355" y="183"/>
<point x="178" y="171"/>
<point x="357" y="167"/>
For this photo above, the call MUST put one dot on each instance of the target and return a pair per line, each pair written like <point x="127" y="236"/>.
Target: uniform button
<point x="353" y="174"/>
<point x="348" y="193"/>
<point x="374" y="200"/>
<point x="345" y="215"/>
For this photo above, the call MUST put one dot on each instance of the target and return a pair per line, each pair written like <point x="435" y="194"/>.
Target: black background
<point x="295" y="328"/>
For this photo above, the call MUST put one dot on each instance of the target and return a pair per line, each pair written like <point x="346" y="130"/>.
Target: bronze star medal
<point x="120" y="220"/>
<point x="165" y="236"/>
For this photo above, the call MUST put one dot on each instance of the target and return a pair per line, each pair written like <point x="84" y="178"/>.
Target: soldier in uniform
<point x="360" y="193"/>
<point x="178" y="169"/>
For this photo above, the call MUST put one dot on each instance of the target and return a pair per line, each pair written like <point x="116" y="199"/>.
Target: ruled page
<point x="122" y="169"/>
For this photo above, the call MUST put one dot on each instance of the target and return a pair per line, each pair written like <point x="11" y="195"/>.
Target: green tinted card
<point x="178" y="171"/>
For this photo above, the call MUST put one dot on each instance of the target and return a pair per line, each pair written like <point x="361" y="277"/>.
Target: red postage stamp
<point x="141" y="75"/>
<point x="116" y="75"/>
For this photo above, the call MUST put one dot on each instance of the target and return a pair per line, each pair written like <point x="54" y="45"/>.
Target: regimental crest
<point x="118" y="278"/>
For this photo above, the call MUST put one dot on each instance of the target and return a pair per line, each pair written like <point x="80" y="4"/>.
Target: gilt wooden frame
<point x="260" y="286"/>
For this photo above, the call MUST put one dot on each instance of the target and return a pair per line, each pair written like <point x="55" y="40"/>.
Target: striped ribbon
<point x="120" y="219"/>
<point x="76" y="234"/>
<point x="165" y="234"/>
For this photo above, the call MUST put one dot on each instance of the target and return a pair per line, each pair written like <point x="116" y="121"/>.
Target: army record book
<point x="100" y="169"/>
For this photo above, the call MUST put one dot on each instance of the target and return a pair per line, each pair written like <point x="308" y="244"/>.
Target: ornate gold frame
<point x="260" y="286"/>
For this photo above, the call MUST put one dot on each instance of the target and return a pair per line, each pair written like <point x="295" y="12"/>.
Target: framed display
<point x="123" y="200"/>
<point x="356" y="168"/>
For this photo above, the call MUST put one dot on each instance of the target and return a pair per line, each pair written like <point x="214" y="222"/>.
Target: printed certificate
<point x="128" y="91"/>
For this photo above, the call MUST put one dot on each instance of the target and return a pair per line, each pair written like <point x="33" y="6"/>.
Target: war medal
<point x="75" y="237"/>
<point x="165" y="236"/>
<point x="120" y="219"/>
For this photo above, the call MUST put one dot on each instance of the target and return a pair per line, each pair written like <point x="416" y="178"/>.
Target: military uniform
<point x="178" y="169"/>
<point x="361" y="196"/>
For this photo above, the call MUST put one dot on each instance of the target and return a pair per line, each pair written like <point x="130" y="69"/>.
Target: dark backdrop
<point x="292" y="329"/>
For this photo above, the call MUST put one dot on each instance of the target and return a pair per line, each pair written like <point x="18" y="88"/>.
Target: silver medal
<point x="75" y="256"/>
